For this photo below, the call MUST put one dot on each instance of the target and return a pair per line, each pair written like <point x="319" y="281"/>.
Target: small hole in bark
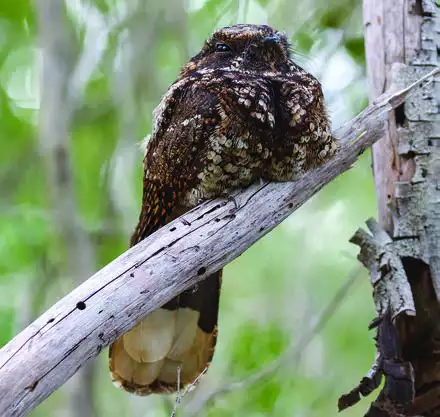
<point x="132" y="275"/>
<point x="430" y="143"/>
<point x="290" y="205"/>
<point x="409" y="155"/>
<point x="32" y="387"/>
<point x="173" y="229"/>
<point x="399" y="113"/>
<point x="81" y="305"/>
<point x="217" y="219"/>
<point x="424" y="172"/>
<point x="201" y="271"/>
<point x="50" y="320"/>
<point x="100" y="311"/>
<point x="261" y="229"/>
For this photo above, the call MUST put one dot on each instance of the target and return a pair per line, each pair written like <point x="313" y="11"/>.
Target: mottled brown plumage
<point x="240" y="111"/>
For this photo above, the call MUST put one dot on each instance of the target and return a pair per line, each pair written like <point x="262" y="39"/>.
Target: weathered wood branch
<point x="48" y="352"/>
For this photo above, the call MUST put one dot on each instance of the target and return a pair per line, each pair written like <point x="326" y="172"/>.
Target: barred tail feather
<point x="177" y="339"/>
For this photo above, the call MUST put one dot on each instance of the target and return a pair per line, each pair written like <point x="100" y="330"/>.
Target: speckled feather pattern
<point x="238" y="112"/>
<point x="226" y="123"/>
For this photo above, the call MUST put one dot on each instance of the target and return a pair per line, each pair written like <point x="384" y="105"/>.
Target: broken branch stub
<point x="391" y="288"/>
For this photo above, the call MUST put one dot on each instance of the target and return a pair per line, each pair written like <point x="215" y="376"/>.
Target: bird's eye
<point x="222" y="47"/>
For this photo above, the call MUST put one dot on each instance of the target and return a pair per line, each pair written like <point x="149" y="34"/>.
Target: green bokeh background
<point x="273" y="294"/>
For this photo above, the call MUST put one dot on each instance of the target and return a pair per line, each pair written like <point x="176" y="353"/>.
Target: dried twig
<point x="188" y="388"/>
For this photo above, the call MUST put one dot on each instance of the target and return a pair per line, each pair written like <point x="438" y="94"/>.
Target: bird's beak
<point x="271" y="39"/>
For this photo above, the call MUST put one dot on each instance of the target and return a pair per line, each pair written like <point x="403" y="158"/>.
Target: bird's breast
<point x="229" y="163"/>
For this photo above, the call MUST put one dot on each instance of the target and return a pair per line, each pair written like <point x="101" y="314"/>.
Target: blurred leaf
<point x="356" y="48"/>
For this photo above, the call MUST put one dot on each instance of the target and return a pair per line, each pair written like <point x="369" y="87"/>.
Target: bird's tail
<point x="173" y="345"/>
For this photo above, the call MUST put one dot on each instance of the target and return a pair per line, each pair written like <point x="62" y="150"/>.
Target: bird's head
<point x="243" y="48"/>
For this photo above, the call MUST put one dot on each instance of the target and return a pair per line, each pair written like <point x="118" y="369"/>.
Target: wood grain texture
<point x="48" y="352"/>
<point x="381" y="22"/>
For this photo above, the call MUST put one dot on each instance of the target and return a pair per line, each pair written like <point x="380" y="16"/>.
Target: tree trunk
<point x="55" y="116"/>
<point x="402" y="43"/>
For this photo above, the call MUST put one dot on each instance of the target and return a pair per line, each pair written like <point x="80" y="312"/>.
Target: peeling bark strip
<point x="403" y="42"/>
<point x="392" y="297"/>
<point x="48" y="352"/>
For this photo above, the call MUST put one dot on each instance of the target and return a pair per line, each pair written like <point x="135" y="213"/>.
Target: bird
<point x="240" y="111"/>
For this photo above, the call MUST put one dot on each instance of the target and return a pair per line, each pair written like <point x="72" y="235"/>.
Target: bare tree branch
<point x="48" y="352"/>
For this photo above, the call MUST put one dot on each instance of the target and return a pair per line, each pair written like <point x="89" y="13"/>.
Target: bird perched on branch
<point x="241" y="110"/>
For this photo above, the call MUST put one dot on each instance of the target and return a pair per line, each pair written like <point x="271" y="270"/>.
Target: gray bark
<point x="407" y="160"/>
<point x="48" y="352"/>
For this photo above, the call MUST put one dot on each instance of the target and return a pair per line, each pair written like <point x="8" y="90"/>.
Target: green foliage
<point x="273" y="293"/>
<point x="355" y="47"/>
